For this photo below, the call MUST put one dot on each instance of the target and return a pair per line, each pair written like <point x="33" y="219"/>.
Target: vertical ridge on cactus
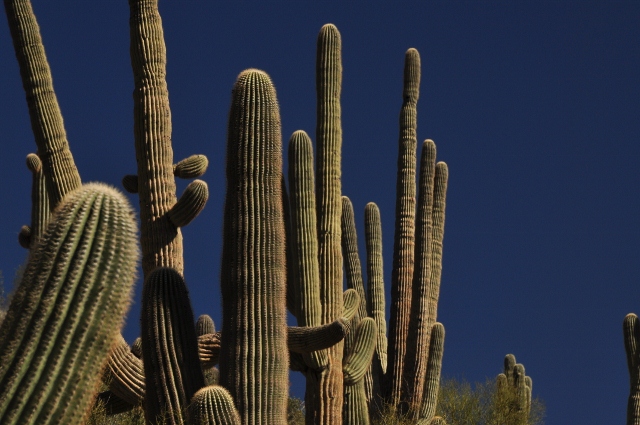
<point x="39" y="199"/>
<point x="212" y="405"/>
<point x="46" y="119"/>
<point x="432" y="373"/>
<point x="169" y="347"/>
<point x="68" y="309"/>
<point x="403" y="245"/>
<point x="254" y="355"/>
<point x="631" y="332"/>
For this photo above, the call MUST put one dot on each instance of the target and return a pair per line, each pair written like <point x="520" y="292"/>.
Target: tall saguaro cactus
<point x="68" y="309"/>
<point x="631" y="332"/>
<point x="46" y="119"/>
<point x="254" y="356"/>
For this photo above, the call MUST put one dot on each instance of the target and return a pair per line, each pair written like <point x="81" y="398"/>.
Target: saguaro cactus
<point x="254" y="357"/>
<point x="515" y="387"/>
<point x="631" y="332"/>
<point x="212" y="405"/>
<point x="29" y="235"/>
<point x="68" y="309"/>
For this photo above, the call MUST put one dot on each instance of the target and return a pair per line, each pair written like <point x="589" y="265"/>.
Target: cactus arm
<point x="209" y="348"/>
<point x="190" y="204"/>
<point x="205" y="325"/>
<point x="375" y="294"/>
<point x="212" y="405"/>
<point x="130" y="183"/>
<point x="421" y="322"/>
<point x="169" y="347"/>
<point x="160" y="239"/>
<point x="351" y="304"/>
<point x="307" y="339"/>
<point x="63" y="319"/>
<point x="352" y="267"/>
<point x="358" y="360"/>
<point x="46" y="119"/>
<point x="125" y="374"/>
<point x="191" y="167"/>
<point x="254" y="358"/>
<point x="434" y="368"/>
<point x="403" y="253"/>
<point x="39" y="201"/>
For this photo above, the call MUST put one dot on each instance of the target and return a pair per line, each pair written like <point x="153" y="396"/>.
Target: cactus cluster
<point x="281" y="249"/>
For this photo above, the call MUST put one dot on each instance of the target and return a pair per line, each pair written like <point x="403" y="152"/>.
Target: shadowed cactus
<point x="212" y="405"/>
<point x="254" y="357"/>
<point x="631" y="332"/>
<point x="125" y="374"/>
<point x="169" y="347"/>
<point x="68" y="309"/>
<point x="516" y="385"/>
<point x="205" y="325"/>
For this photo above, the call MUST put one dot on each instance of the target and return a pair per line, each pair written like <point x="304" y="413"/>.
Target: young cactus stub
<point x="68" y="309"/>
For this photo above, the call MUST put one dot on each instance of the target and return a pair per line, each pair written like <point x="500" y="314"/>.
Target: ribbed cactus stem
<point x="46" y="119"/>
<point x="130" y="183"/>
<point x="169" y="347"/>
<point x="160" y="239"/>
<point x="403" y="245"/>
<point x="631" y="332"/>
<point x="376" y="298"/>
<point x="212" y="405"/>
<point x="329" y="203"/>
<point x="125" y="373"/>
<point x="190" y="204"/>
<point x="68" y="309"/>
<point x="432" y="378"/>
<point x="39" y="199"/>
<point x="254" y="358"/>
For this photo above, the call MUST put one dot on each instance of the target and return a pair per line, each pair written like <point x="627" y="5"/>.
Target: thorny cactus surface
<point x="212" y="405"/>
<point x="631" y="332"/>
<point x="68" y="309"/>
<point x="254" y="357"/>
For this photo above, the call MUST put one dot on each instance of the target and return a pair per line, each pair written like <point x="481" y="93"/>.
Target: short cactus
<point x="516" y="385"/>
<point x="29" y="235"/>
<point x="205" y="325"/>
<point x="191" y="167"/>
<point x="68" y="309"/>
<point x="212" y="405"/>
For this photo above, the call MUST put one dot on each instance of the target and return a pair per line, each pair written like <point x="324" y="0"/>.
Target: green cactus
<point x="169" y="347"/>
<point x="631" y="332"/>
<point x="29" y="235"/>
<point x="516" y="386"/>
<point x="212" y="405"/>
<point x="253" y="357"/>
<point x="432" y="377"/>
<point x="161" y="214"/>
<point x="68" y="309"/>
<point x="191" y="167"/>
<point x="61" y="174"/>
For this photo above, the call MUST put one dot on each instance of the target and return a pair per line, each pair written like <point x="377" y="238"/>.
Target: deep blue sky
<point x="535" y="107"/>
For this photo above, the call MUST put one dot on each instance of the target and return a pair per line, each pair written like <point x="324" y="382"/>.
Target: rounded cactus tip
<point x="34" y="164"/>
<point x="24" y="236"/>
<point x="329" y="28"/>
<point x="252" y="71"/>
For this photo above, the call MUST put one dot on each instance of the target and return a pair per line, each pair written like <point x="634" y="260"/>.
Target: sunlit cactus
<point x="68" y="309"/>
<point x="212" y="405"/>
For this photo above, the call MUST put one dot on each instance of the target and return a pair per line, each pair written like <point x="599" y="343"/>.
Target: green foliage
<point x="461" y="403"/>
<point x="295" y="411"/>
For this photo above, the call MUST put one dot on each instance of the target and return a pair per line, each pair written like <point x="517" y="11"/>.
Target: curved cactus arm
<point x="403" y="252"/>
<point x="434" y="368"/>
<point x="351" y="303"/>
<point x="113" y="404"/>
<point x="24" y="236"/>
<point x="307" y="339"/>
<point x="358" y="360"/>
<point x="376" y="295"/>
<point x="130" y="183"/>
<point x="191" y="167"/>
<point x="125" y="374"/>
<point x="47" y="125"/>
<point x="212" y="405"/>
<point x="205" y="325"/>
<point x="352" y="267"/>
<point x="169" y="347"/>
<point x="209" y="348"/>
<point x="63" y="319"/>
<point x="631" y="332"/>
<point x="136" y="347"/>
<point x="254" y="355"/>
<point x="190" y="204"/>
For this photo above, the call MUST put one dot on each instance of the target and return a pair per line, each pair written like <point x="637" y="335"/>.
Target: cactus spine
<point x="631" y="332"/>
<point x="29" y="235"/>
<point x="253" y="357"/>
<point x="212" y="405"/>
<point x="68" y="309"/>
<point x="46" y="119"/>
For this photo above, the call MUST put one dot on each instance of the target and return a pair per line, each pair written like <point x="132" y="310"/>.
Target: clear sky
<point x="534" y="106"/>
